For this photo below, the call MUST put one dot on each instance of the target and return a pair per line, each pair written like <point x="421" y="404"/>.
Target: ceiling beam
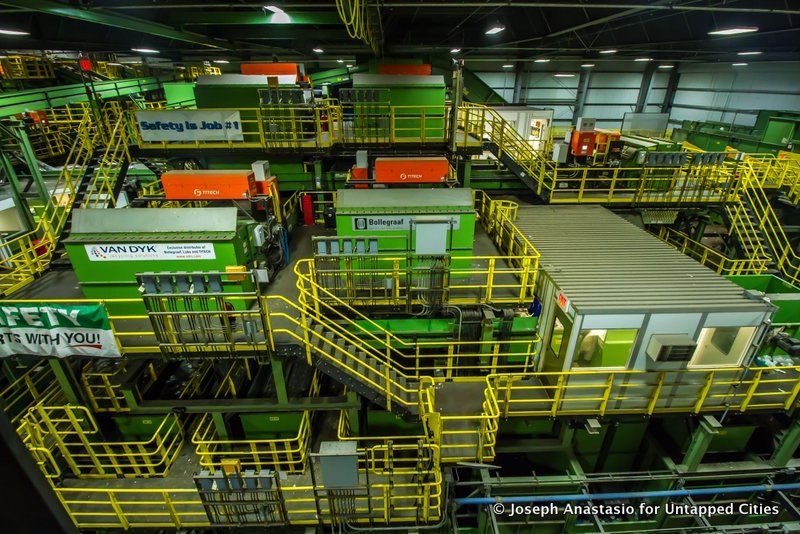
<point x="250" y="18"/>
<point x="107" y="18"/>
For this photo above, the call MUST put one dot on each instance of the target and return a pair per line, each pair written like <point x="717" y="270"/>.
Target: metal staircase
<point x="86" y="181"/>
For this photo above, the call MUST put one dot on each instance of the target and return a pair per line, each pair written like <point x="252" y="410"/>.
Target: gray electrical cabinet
<point x="338" y="461"/>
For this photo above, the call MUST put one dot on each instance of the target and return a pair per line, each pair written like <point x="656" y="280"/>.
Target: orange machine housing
<point x="420" y="170"/>
<point x="583" y="143"/>
<point x="392" y="68"/>
<point x="209" y="185"/>
<point x="270" y="69"/>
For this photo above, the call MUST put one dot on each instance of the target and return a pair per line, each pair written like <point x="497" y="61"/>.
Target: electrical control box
<point x="261" y="170"/>
<point x="560" y="152"/>
<point x="585" y="124"/>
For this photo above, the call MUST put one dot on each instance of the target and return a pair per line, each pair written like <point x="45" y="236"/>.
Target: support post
<point x="68" y="382"/>
<point x="580" y="98"/>
<point x="354" y="414"/>
<point x="280" y="379"/>
<point x="33" y="164"/>
<point x="672" y="88"/>
<point x="25" y="216"/>
<point x="645" y="88"/>
<point x="701" y="439"/>
<point x="786" y="446"/>
<point x="519" y="82"/>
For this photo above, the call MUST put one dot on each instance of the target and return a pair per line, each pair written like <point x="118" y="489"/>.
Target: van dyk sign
<point x="151" y="251"/>
<point x="189" y="125"/>
<point x="56" y="330"/>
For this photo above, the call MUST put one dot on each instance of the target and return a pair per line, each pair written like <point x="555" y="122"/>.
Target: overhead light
<point x="643" y="59"/>
<point x="739" y="64"/>
<point x="564" y="75"/>
<point x="541" y="60"/>
<point x="734" y="31"/>
<point x="13" y="32"/>
<point x="339" y="61"/>
<point x="455" y="50"/>
<point x="349" y="65"/>
<point x="318" y="50"/>
<point x="274" y="9"/>
<point x="145" y="50"/>
<point x="751" y="53"/>
<point x="508" y="66"/>
<point x="666" y="66"/>
<point x="587" y="65"/>
<point x="112" y="64"/>
<point x="222" y="61"/>
<point x="497" y="28"/>
<point x="609" y="51"/>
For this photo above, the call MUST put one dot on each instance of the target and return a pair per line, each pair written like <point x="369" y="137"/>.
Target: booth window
<point x="722" y="346"/>
<point x="604" y="348"/>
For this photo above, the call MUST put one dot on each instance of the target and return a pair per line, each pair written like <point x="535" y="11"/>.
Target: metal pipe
<point x="758" y="488"/>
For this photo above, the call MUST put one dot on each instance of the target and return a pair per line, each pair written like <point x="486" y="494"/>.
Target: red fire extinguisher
<point x="308" y="210"/>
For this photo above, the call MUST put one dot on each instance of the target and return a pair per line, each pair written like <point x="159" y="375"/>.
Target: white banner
<point x="189" y="125"/>
<point x="56" y="330"/>
<point x="151" y="251"/>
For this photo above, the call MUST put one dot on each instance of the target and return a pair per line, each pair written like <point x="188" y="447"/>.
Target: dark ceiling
<point x="673" y="30"/>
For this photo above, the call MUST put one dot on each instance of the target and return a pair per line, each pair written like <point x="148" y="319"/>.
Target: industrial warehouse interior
<point x="402" y="266"/>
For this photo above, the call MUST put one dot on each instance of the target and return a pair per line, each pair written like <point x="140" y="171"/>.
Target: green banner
<point x="44" y="329"/>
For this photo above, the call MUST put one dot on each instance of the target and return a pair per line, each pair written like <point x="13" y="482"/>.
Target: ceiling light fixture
<point x="508" y="66"/>
<point x="739" y="64"/>
<point x="734" y="31"/>
<point x="274" y="9"/>
<point x="587" y="65"/>
<point x="318" y="50"/>
<point x="564" y="75"/>
<point x="497" y="28"/>
<point x="339" y="61"/>
<point x="455" y="50"/>
<point x="666" y="66"/>
<point x="349" y="65"/>
<point x="609" y="51"/>
<point x="221" y="61"/>
<point x="750" y="53"/>
<point x="145" y="50"/>
<point x="541" y="60"/>
<point x="643" y="59"/>
<point x="13" y="32"/>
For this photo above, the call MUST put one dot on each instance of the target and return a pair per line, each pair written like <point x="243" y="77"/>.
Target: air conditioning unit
<point x="671" y="348"/>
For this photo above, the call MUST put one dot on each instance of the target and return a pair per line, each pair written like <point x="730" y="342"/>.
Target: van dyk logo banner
<point x="151" y="251"/>
<point x="189" y="125"/>
<point x="56" y="330"/>
<point x="399" y="222"/>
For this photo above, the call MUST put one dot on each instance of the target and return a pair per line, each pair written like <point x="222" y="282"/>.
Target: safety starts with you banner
<point x="56" y="330"/>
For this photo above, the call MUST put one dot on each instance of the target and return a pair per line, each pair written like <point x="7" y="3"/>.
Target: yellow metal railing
<point x="28" y="255"/>
<point x="320" y="200"/>
<point x="71" y="433"/>
<point x="279" y="454"/>
<point x="100" y="193"/>
<point x="714" y="259"/>
<point x="103" y="387"/>
<point x="765" y="219"/>
<point x="597" y="392"/>
<point x="26" y="68"/>
<point x="36" y="385"/>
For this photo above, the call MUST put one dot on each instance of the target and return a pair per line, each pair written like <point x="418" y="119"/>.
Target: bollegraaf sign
<point x="56" y="330"/>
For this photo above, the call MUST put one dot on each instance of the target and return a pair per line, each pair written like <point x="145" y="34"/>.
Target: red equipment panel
<point x="392" y="68"/>
<point x="583" y="143"/>
<point x="209" y="184"/>
<point x="269" y="69"/>
<point x="411" y="170"/>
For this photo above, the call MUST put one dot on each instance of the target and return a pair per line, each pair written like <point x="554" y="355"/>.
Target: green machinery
<point x="418" y="106"/>
<point x="773" y="131"/>
<point x="148" y="240"/>
<point x="429" y="222"/>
